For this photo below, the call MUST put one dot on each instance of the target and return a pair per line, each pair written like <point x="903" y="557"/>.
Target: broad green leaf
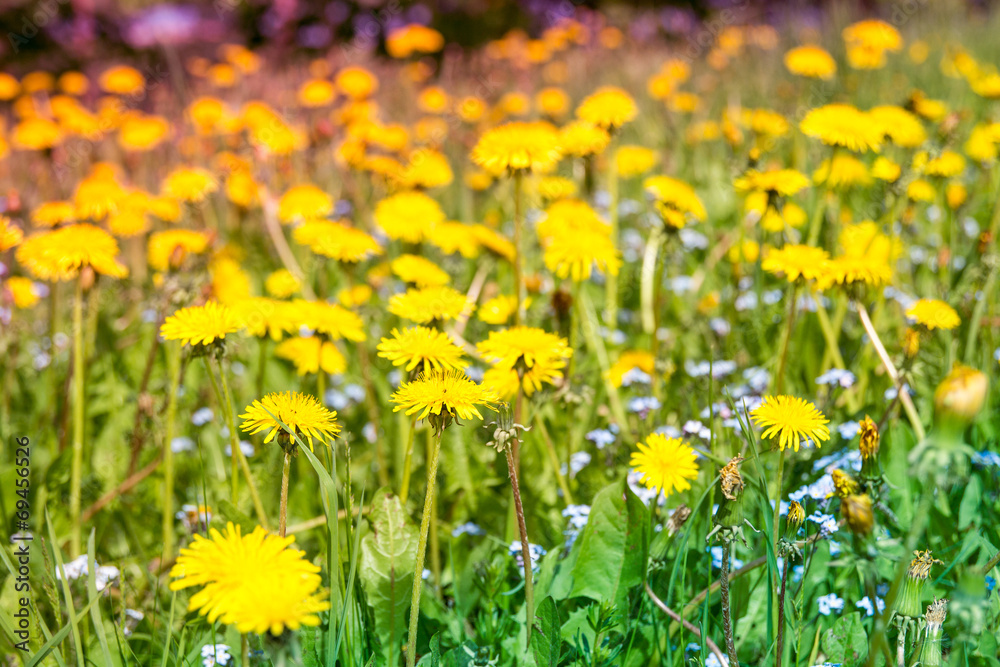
<point x="846" y="642"/>
<point x="546" y="642"/>
<point x="970" y="511"/>
<point x="388" y="556"/>
<point x="614" y="546"/>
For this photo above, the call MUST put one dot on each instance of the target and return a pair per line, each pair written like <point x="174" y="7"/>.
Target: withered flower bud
<point x="961" y="395"/>
<point x="843" y="484"/>
<point x="857" y="512"/>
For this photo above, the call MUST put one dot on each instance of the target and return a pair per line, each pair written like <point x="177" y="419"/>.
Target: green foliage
<point x="846" y="642"/>
<point x="388" y="554"/>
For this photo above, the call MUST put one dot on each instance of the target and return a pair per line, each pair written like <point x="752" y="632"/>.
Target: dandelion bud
<point x="911" y="342"/>
<point x="87" y="277"/>
<point x="870" y="469"/>
<point x="961" y="395"/>
<point x="857" y="512"/>
<point x="843" y="484"/>
<point x="730" y="512"/>
<point x="930" y="652"/>
<point x="908" y="603"/>
<point x="796" y="515"/>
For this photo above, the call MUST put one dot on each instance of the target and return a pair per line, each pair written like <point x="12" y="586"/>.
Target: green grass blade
<point x="73" y="623"/>
<point x="92" y="595"/>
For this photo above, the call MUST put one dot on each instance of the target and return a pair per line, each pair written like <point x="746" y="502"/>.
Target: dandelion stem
<point x="78" y="396"/>
<point x="688" y="625"/>
<point x="529" y="589"/>
<point x="225" y="399"/>
<point x="611" y="280"/>
<point x="727" y="621"/>
<point x="404" y="487"/>
<point x="284" y="251"/>
<point x="792" y="294"/>
<point x="595" y="343"/>
<point x="286" y="469"/>
<point x="780" y="645"/>
<point x="174" y="364"/>
<point x="518" y="252"/>
<point x="890" y="368"/>
<point x="425" y="523"/>
<point x="777" y="498"/>
<point x="244" y="651"/>
<point x="553" y="458"/>
<point x="435" y="543"/>
<point x="980" y="308"/>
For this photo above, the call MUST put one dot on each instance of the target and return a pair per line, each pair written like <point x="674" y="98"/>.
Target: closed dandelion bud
<point x="909" y="603"/>
<point x="856" y="510"/>
<point x="961" y="395"/>
<point x="796" y="515"/>
<point x="930" y="652"/>
<point x="843" y="484"/>
<point x="730" y="512"/>
<point x="911" y="342"/>
<point x="869" y="449"/>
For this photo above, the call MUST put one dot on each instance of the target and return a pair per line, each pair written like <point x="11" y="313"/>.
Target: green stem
<point x="174" y="363"/>
<point x="792" y="294"/>
<point x="816" y="223"/>
<point x="553" y="458"/>
<point x="435" y="542"/>
<point x="286" y="469"/>
<point x="78" y="397"/>
<point x="611" y="280"/>
<point x="777" y="498"/>
<point x="529" y="590"/>
<point x="244" y="651"/>
<point x="225" y="399"/>
<point x="418" y="569"/>
<point x="595" y="343"/>
<point x="518" y="252"/>
<point x="404" y="487"/>
<point x="727" y="621"/>
<point x="980" y="309"/>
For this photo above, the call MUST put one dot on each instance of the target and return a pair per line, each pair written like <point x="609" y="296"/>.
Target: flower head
<point x="10" y="234"/>
<point x="443" y="395"/>
<point x="421" y="348"/>
<point x="304" y="202"/>
<point x="169" y="248"/>
<point x="254" y="582"/>
<point x="790" y="419"/>
<point x="811" y="61"/>
<point x="419" y="271"/>
<point x="200" y="325"/>
<point x="424" y="306"/>
<point x="62" y="253"/>
<point x="311" y="355"/>
<point x="525" y="349"/>
<point x="191" y="184"/>
<point x="518" y="146"/>
<point x="843" y="125"/>
<point x="336" y="240"/>
<point x="666" y="464"/>
<point x="574" y="254"/>
<point x="302" y="413"/>
<point x="933" y="314"/>
<point x="609" y="107"/>
<point x="675" y="200"/>
<point x="408" y="216"/>
<point x="796" y="262"/>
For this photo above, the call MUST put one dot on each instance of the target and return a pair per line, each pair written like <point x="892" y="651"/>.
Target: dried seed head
<point x="678" y="519"/>
<point x="732" y="481"/>
<point x="920" y="567"/>
<point x="937" y="612"/>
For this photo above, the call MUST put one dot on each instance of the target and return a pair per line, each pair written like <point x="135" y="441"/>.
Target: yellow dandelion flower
<point x="253" y="582"/>
<point x="316" y="93"/>
<point x="302" y="413"/>
<point x="921" y="190"/>
<point x="783" y="182"/>
<point x="130" y="218"/>
<point x="430" y="304"/>
<point x="336" y="240"/>
<point x="843" y="125"/>
<point x="261" y="316"/>
<point x="53" y="214"/>
<point x="539" y="355"/>
<point x="792" y="420"/>
<point x="330" y="319"/>
<point x="36" y="134"/>
<point x="142" y="133"/>
<point x="122" y="80"/>
<point x="354" y="296"/>
<point x="190" y="184"/>
<point x="200" y="325"/>
<point x="886" y="170"/>
<point x="845" y="171"/>
<point x="304" y="202"/>
<point x="356" y="82"/>
<point x="933" y="314"/>
<point x="419" y="271"/>
<point x="609" y="108"/>
<point x="899" y="125"/>
<point x="582" y="138"/>
<point x="946" y="165"/>
<point x="493" y="241"/>
<point x="311" y="355"/>
<point x="665" y="464"/>
<point x="553" y="188"/>
<point x="568" y="216"/>
<point x="282" y="284"/>
<point x="630" y="360"/>
<point x="242" y="189"/>
<point x="62" y="253"/>
<point x="408" y="216"/>
<point x="11" y="235"/>
<point x="499" y="309"/>
<point x="230" y="283"/>
<point x="454" y="237"/>
<point x="97" y="197"/>
<point x="518" y="146"/>
<point x="421" y="348"/>
<point x="552" y="102"/>
<point x="427" y="168"/>
<point x="445" y="394"/>
<point x="796" y="261"/>
<point x="574" y="254"/>
<point x="675" y="200"/>
<point x="811" y="61"/>
<point x="413" y="38"/>
<point x="22" y="291"/>
<point x="632" y="161"/>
